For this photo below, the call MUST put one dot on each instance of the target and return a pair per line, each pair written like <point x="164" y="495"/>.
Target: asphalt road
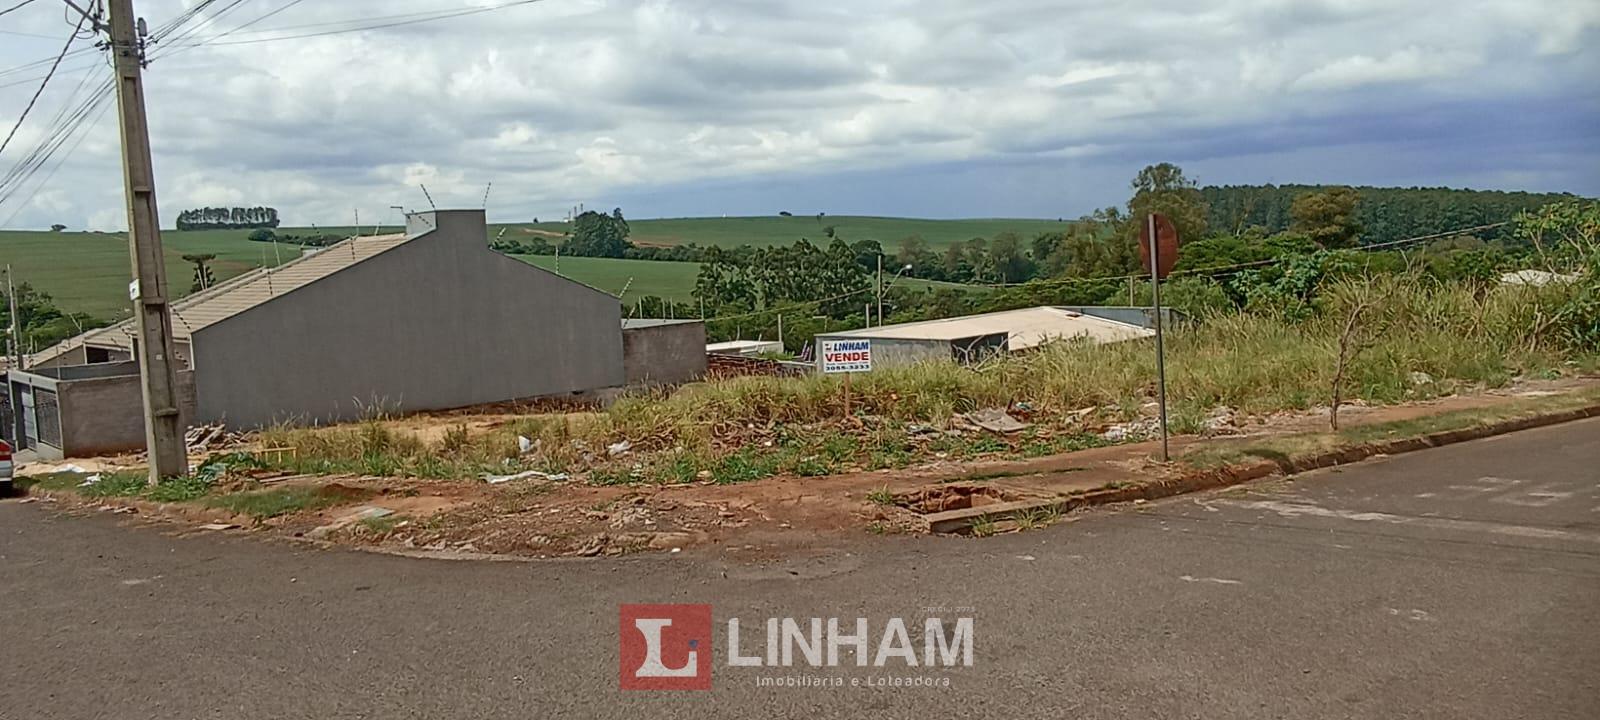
<point x="1462" y="582"/>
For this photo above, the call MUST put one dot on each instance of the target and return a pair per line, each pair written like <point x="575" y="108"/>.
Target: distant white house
<point x="1536" y="278"/>
<point x="746" y="348"/>
<point x="975" y="337"/>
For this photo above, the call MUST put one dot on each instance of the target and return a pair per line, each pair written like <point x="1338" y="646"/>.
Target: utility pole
<point x="1161" y="350"/>
<point x="163" y="428"/>
<point x="880" y="290"/>
<point x="14" y="333"/>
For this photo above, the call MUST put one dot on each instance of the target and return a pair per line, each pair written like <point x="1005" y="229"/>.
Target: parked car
<point x="6" y="486"/>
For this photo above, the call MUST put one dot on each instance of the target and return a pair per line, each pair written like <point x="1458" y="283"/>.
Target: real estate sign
<point x="846" y="356"/>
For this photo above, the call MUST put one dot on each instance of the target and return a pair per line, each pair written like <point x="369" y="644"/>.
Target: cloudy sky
<point x="932" y="108"/>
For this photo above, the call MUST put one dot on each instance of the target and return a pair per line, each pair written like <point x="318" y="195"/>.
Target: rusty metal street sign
<point x="1158" y="247"/>
<point x="1166" y="245"/>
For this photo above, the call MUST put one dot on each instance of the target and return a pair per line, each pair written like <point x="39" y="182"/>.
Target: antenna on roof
<point x="486" y="195"/>
<point x="428" y="196"/>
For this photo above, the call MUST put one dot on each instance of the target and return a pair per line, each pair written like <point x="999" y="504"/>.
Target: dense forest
<point x="1385" y="214"/>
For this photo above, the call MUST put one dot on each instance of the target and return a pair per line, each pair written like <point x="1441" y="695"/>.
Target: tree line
<point x="1095" y="260"/>
<point x="1384" y="214"/>
<point x="210" y="218"/>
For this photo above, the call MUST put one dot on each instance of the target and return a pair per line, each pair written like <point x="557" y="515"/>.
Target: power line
<point x="795" y="306"/>
<point x="98" y="113"/>
<point x="40" y="91"/>
<point x="70" y="122"/>
<point x="291" y="4"/>
<point x="16" y="7"/>
<point x="187" y="32"/>
<point x="162" y="31"/>
<point x="431" y="17"/>
<point x="59" y="135"/>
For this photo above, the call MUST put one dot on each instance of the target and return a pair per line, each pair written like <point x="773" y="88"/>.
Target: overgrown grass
<point x="115" y="484"/>
<point x="123" y="484"/>
<point x="52" y="481"/>
<point x="265" y="504"/>
<point x="742" y="429"/>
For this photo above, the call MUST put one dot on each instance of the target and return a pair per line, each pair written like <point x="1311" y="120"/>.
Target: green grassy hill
<point x="670" y="280"/>
<point x="88" y="272"/>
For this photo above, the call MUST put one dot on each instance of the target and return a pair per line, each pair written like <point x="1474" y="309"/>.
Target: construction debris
<point x="202" y="438"/>
<point x="1222" y="420"/>
<point x="1132" y="431"/>
<point x="995" y="420"/>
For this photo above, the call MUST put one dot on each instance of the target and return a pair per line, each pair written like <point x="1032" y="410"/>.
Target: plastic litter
<point x="501" y="479"/>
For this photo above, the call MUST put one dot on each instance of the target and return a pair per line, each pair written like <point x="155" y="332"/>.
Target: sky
<point x="930" y="108"/>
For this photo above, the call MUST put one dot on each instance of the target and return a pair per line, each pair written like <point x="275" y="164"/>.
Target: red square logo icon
<point x="665" y="647"/>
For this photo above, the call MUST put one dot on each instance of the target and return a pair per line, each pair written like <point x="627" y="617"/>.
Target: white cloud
<point x="568" y="100"/>
<point x="1411" y="63"/>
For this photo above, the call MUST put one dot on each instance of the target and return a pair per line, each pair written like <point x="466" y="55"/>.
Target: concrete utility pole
<point x="14" y="332"/>
<point x="163" y="429"/>
<point x="880" y="289"/>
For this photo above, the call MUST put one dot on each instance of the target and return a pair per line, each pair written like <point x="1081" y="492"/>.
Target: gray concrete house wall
<point x="438" y="322"/>
<point x="75" y="356"/>
<point x="663" y="352"/>
<point x="100" y="407"/>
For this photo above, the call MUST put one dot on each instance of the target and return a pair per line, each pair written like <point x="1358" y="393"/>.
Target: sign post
<point x="1159" y="248"/>
<point x="847" y="356"/>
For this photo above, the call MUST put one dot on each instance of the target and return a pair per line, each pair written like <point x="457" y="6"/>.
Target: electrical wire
<point x="16" y="7"/>
<point x="78" y="119"/>
<point x="24" y="116"/>
<point x="82" y="132"/>
<point x="236" y="29"/>
<point x="185" y="33"/>
<point x="390" y="22"/>
<point x="76" y="116"/>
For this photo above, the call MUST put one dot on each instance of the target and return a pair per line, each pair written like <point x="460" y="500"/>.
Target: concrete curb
<point x="957" y="521"/>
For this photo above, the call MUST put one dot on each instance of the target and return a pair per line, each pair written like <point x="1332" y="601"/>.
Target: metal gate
<point x="8" y="418"/>
<point x="47" y="412"/>
<point x="30" y="425"/>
